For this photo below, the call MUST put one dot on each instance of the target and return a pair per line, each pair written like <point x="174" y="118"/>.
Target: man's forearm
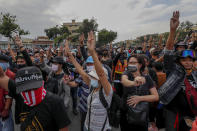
<point x="8" y="103"/>
<point x="170" y="41"/>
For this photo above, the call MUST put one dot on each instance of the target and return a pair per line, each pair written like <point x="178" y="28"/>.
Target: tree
<point x="105" y="36"/>
<point x="8" y="26"/>
<point x="58" y="34"/>
<point x="53" y="32"/>
<point x="87" y="26"/>
<point x="185" y="26"/>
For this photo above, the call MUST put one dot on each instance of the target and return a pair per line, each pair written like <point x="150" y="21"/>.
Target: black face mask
<point x="21" y="66"/>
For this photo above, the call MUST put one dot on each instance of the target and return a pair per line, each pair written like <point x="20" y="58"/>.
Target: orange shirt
<point x="161" y="78"/>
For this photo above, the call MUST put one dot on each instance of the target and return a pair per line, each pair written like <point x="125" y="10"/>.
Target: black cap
<point x="28" y="78"/>
<point x="58" y="59"/>
<point x="4" y="58"/>
<point x="180" y="43"/>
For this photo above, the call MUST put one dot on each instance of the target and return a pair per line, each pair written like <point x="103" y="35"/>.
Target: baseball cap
<point x="90" y="60"/>
<point x="28" y="78"/>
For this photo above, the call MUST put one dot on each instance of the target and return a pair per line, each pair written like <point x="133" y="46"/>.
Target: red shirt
<point x="11" y="75"/>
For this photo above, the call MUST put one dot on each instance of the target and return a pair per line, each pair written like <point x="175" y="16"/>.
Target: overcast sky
<point x="130" y="18"/>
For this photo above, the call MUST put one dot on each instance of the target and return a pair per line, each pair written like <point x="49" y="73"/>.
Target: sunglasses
<point x="188" y="53"/>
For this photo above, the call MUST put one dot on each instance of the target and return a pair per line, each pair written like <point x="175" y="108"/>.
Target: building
<point x="73" y="27"/>
<point x="43" y="42"/>
<point x="4" y="41"/>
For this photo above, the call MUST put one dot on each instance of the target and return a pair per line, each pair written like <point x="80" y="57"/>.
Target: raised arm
<point x="144" y="44"/>
<point x="160" y="42"/>
<point x="98" y="66"/>
<point x="150" y="42"/>
<point x="174" y="23"/>
<point x="11" y="53"/>
<point x="82" y="48"/>
<point x="168" y="52"/>
<point x="23" y="51"/>
<point x="80" y="70"/>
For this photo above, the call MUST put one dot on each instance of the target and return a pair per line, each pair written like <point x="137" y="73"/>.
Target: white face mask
<point x="54" y="67"/>
<point x="90" y="68"/>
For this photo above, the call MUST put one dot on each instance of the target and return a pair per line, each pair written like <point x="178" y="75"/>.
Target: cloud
<point x="32" y="15"/>
<point x="130" y="18"/>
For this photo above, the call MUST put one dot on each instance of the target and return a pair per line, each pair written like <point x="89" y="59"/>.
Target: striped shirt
<point x="83" y="93"/>
<point x="98" y="112"/>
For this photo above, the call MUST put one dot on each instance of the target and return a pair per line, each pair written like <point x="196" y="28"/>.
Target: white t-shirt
<point x="98" y="112"/>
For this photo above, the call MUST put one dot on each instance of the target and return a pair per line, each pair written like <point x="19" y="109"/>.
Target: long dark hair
<point x="140" y="61"/>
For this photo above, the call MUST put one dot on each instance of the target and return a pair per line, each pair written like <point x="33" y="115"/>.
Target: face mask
<point x="94" y="83"/>
<point x="90" y="68"/>
<point x="34" y="97"/>
<point x="37" y="60"/>
<point x="132" y="68"/>
<point x="4" y="66"/>
<point x="54" y="67"/>
<point x="21" y="66"/>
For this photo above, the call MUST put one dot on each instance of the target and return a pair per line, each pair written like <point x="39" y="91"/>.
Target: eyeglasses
<point x="188" y="53"/>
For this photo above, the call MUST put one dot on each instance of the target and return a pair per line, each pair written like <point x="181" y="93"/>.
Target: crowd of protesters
<point x="153" y="86"/>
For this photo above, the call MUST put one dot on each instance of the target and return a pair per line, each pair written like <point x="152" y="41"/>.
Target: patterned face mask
<point x="34" y="97"/>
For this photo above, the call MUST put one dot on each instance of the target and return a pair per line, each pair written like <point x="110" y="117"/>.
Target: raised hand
<point x="81" y="39"/>
<point x="174" y="21"/>
<point x="67" y="49"/>
<point x="91" y="41"/>
<point x="150" y="39"/>
<point x="18" y="41"/>
<point x="9" y="47"/>
<point x="161" y="36"/>
<point x="145" y="38"/>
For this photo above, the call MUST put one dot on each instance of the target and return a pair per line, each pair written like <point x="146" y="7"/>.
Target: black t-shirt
<point x="144" y="89"/>
<point x="180" y="103"/>
<point x="49" y="115"/>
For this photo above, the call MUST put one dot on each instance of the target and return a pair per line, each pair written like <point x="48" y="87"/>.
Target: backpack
<point x="113" y="111"/>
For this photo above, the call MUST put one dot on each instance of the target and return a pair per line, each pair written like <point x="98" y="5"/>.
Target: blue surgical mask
<point x="4" y="66"/>
<point x="94" y="83"/>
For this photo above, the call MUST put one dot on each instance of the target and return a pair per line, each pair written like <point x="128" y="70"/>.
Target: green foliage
<point x="8" y="26"/>
<point x="105" y="36"/>
<point x="58" y="34"/>
<point x="87" y="26"/>
<point x="185" y="26"/>
<point x="183" y="29"/>
<point x="53" y="32"/>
